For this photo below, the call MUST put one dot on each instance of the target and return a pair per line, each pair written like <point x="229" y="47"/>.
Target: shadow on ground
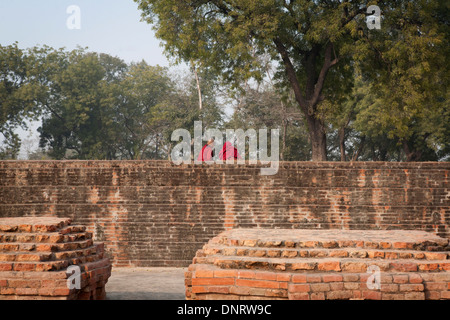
<point x="146" y="284"/>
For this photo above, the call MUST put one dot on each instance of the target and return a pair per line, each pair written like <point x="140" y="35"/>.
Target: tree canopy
<point x="336" y="88"/>
<point x="319" y="47"/>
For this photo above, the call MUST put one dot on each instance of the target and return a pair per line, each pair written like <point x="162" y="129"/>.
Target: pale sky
<point x="107" y="26"/>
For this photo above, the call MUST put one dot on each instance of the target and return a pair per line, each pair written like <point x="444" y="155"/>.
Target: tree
<point x="73" y="96"/>
<point x="410" y="85"/>
<point x="226" y="37"/>
<point x="316" y="43"/>
<point x="16" y="97"/>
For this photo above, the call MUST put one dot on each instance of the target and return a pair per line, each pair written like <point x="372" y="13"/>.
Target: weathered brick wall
<point x="154" y="213"/>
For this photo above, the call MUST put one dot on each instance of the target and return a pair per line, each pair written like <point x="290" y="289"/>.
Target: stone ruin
<point x="39" y="256"/>
<point x="321" y="264"/>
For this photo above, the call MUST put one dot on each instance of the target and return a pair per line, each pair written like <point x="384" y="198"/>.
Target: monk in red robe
<point x="229" y="152"/>
<point x="207" y="152"/>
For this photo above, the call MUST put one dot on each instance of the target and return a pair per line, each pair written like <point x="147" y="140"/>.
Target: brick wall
<point x="154" y="213"/>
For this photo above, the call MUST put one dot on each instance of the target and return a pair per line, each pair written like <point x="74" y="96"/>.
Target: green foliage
<point x="319" y="47"/>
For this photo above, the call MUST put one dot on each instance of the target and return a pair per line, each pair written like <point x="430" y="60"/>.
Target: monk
<point x="229" y="152"/>
<point x="207" y="153"/>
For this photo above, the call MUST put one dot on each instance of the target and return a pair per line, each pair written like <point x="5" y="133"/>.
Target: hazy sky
<point x="107" y="26"/>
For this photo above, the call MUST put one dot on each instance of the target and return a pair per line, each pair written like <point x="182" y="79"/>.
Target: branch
<point x="328" y="63"/>
<point x="290" y="71"/>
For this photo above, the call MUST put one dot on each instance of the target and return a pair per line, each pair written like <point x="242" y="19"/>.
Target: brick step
<point x="46" y="256"/>
<point x="400" y="245"/>
<point x="45" y="247"/>
<point x="208" y="280"/>
<point x="324" y="264"/>
<point x="53" y="265"/>
<point x="33" y="224"/>
<point x="72" y="229"/>
<point x="369" y="239"/>
<point x="282" y="252"/>
<point x="53" y="237"/>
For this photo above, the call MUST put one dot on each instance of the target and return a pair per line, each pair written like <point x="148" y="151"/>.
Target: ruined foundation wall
<point x="154" y="213"/>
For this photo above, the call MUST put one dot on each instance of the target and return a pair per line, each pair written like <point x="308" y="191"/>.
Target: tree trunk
<point x="318" y="139"/>
<point x="200" y="100"/>
<point x="411" y="155"/>
<point x="314" y="86"/>
<point x="360" y="149"/>
<point x="342" y="143"/>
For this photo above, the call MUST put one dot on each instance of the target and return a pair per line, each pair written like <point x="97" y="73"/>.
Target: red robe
<point x="229" y="152"/>
<point x="206" y="154"/>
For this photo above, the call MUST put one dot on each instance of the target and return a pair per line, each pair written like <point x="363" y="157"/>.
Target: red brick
<point x="389" y="288"/>
<point x="329" y="266"/>
<point x="7" y="257"/>
<point x="26" y="291"/>
<point x="225" y="273"/>
<point x="403" y="266"/>
<point x="7" y="291"/>
<point x="428" y="266"/>
<point x="351" y="285"/>
<point x="240" y="290"/>
<point x="299" y="278"/>
<point x="392" y="296"/>
<point x="432" y="295"/>
<point x="444" y="266"/>
<point x="339" y="295"/>
<point x="298" y="296"/>
<point x="385" y="245"/>
<point x="245" y="274"/>
<point x="401" y="278"/>
<point x="375" y="254"/>
<point x="415" y="278"/>
<point x="391" y="255"/>
<point x="201" y="273"/>
<point x="371" y="295"/>
<point x="299" y="288"/>
<point x="257" y="292"/>
<point x="354" y="267"/>
<point x="24" y="266"/>
<point x="257" y="283"/>
<point x="339" y="253"/>
<point x="435" y="256"/>
<point x="337" y="286"/>
<point x="283" y="277"/>
<point x="278" y="293"/>
<point x="6" y="266"/>
<point x="332" y="278"/>
<point x="61" y="291"/>
<point x="414" y="296"/>
<point x="317" y="296"/>
<point x="218" y="289"/>
<point x="311" y="278"/>
<point x="435" y="286"/>
<point x="411" y="287"/>
<point x="319" y="287"/>
<point x="304" y="266"/>
<point x="212" y="281"/>
<point x="265" y="276"/>
<point x="351" y="277"/>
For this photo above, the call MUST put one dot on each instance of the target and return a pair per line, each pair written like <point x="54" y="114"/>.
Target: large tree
<point x="226" y="37"/>
<point x="16" y="97"/>
<point x="316" y="43"/>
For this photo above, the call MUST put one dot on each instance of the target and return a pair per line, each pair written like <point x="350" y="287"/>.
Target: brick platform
<point x="35" y="254"/>
<point x="321" y="264"/>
